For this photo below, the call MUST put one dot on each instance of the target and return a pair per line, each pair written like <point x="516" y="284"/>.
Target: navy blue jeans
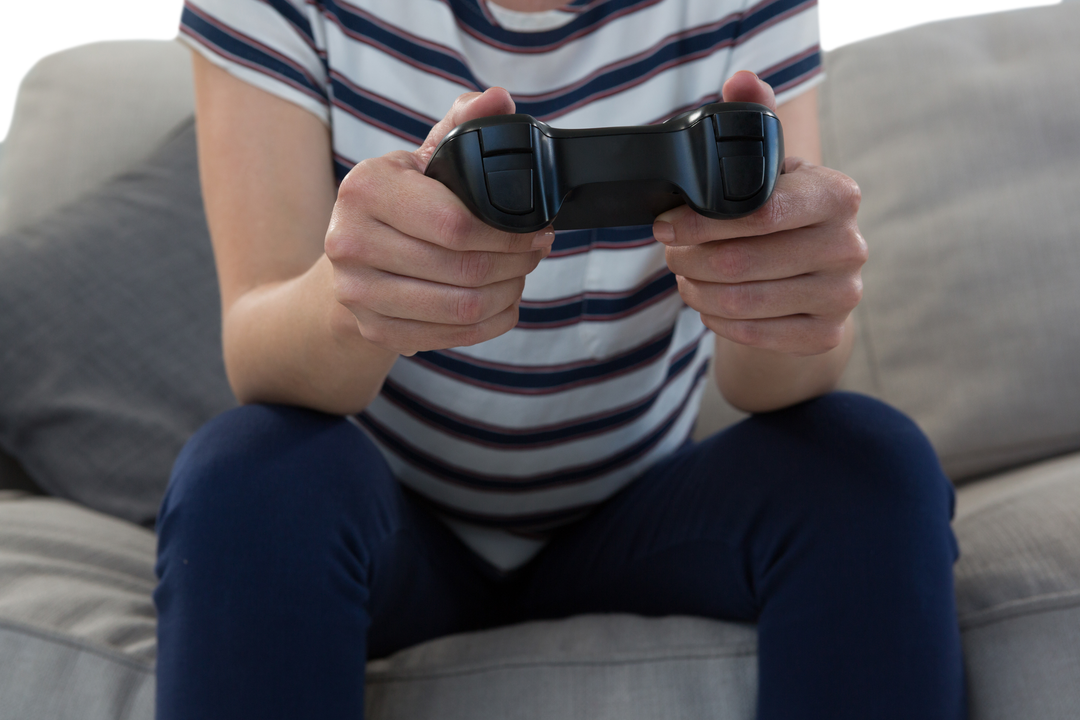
<point x="289" y="555"/>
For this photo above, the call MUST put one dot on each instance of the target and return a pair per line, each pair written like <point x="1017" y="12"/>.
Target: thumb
<point x="745" y="86"/>
<point x="470" y="106"/>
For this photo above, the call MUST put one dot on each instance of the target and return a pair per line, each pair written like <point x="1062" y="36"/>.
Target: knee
<point x="271" y="475"/>
<point x="863" y="462"/>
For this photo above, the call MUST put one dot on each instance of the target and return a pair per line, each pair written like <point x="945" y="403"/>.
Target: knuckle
<point x="336" y="245"/>
<point x="375" y="332"/>
<point x="731" y="261"/>
<point x="851" y="294"/>
<point x="452" y="226"/>
<point x="360" y="182"/>
<point x="744" y="332"/>
<point x="472" y="335"/>
<point x="770" y="215"/>
<point x="475" y="268"/>
<point x="352" y="294"/>
<point x="467" y="306"/>
<point x="738" y="301"/>
<point x="860" y="250"/>
<point x="829" y="337"/>
<point x="848" y="193"/>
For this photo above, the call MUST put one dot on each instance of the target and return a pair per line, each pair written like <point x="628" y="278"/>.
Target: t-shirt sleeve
<point x="780" y="41"/>
<point x="276" y="45"/>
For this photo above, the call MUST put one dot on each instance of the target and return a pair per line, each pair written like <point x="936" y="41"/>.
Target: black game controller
<point x="520" y="175"/>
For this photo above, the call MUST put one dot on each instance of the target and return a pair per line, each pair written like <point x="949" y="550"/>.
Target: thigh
<point x="288" y="555"/>
<point x="711" y="530"/>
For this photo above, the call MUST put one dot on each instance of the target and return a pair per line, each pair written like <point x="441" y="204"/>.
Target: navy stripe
<point x="295" y="18"/>
<point x="509" y="439"/>
<point x="231" y="45"/>
<point x="682" y="49"/>
<point x="470" y="16"/>
<point x="361" y="27"/>
<point x="509" y="483"/>
<point x="379" y="112"/>
<point x="768" y="12"/>
<point x="790" y="73"/>
<point x="596" y="307"/>
<point x="685" y="47"/>
<point x="523" y="380"/>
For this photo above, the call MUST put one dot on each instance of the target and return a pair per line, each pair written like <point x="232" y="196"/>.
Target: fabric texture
<point x="602" y="376"/>
<point x="110" y="317"/>
<point x="968" y="319"/>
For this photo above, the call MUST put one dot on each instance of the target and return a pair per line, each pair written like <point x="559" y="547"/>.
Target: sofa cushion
<point x="111" y="355"/>
<point x="962" y="135"/>
<point x="1018" y="591"/>
<point x="76" y="624"/>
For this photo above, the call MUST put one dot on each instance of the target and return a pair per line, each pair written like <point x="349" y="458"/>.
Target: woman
<point x="447" y="427"/>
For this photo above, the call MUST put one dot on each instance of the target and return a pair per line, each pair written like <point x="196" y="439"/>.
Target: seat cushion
<point x="77" y="628"/>
<point x="1018" y="591"/>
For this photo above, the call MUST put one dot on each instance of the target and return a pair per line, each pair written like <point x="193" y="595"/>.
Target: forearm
<point x="291" y="342"/>
<point x="757" y="380"/>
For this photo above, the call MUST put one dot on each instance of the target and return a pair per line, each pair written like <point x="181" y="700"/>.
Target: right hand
<point x="412" y="264"/>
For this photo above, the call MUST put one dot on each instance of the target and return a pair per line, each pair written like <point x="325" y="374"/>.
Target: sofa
<point x="964" y="136"/>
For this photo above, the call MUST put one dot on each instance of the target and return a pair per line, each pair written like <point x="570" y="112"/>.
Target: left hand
<point x="784" y="278"/>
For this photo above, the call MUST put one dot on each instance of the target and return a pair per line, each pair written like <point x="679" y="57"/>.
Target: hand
<point x="417" y="270"/>
<point x="784" y="278"/>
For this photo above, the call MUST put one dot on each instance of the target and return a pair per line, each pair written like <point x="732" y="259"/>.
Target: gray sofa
<point x="965" y="138"/>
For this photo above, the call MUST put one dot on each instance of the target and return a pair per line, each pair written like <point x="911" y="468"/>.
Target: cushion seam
<point x="391" y="676"/>
<point x="77" y="644"/>
<point x="1015" y="608"/>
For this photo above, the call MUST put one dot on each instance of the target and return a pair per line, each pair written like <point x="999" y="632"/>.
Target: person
<point x="445" y="427"/>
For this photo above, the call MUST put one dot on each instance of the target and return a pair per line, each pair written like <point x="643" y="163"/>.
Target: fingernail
<point x="544" y="238"/>
<point x="663" y="231"/>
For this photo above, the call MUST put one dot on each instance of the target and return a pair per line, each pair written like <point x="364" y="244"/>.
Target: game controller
<point x="519" y="174"/>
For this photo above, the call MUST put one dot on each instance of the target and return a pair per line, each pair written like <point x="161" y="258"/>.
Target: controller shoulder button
<point x="514" y="137"/>
<point x="738" y="124"/>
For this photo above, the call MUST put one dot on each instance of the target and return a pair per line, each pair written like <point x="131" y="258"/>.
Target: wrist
<point x="757" y="380"/>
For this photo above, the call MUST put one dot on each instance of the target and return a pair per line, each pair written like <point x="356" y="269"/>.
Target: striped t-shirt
<point x="602" y="376"/>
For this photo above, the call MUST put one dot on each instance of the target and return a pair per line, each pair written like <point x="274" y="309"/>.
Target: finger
<point x="799" y="335"/>
<point x="745" y="86"/>
<point x="470" y="106"/>
<point x="816" y="295"/>
<point x="781" y="255"/>
<point x="411" y="336"/>
<point x="394" y="252"/>
<point x="391" y="191"/>
<point x="811" y="195"/>
<point x="411" y="299"/>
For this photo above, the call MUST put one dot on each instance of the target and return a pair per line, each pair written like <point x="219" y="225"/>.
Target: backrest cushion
<point x="964" y="138"/>
<point x="110" y="317"/>
<point x="85" y="114"/>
